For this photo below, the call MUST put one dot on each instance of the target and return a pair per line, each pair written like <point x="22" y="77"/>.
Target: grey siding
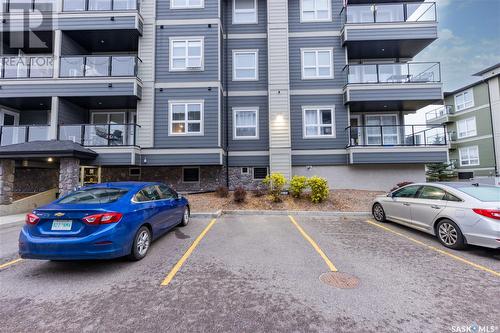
<point x="331" y="159"/>
<point x="260" y="27"/>
<point x="33" y="117"/>
<point x="164" y="12"/>
<point x="211" y="62"/>
<point x="263" y="142"/>
<point x="181" y="159"/>
<point x="90" y="22"/>
<point x="211" y="120"/>
<point x="339" y="76"/>
<point x="298" y="142"/>
<point x="296" y="26"/>
<point x="374" y="33"/>
<point x="70" y="113"/>
<point x="394" y="94"/>
<point x="248" y="161"/>
<point x="399" y="158"/>
<point x="113" y="159"/>
<point x="242" y="44"/>
<point x="67" y="89"/>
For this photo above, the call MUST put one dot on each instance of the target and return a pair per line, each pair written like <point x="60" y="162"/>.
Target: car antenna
<point x="475" y="184"/>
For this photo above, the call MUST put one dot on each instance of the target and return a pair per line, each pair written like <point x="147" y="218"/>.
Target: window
<point x="484" y="193"/>
<point x="315" y="10"/>
<point x="469" y="156"/>
<point x="318" y="122"/>
<point x="246" y="123"/>
<point x="259" y="173"/>
<point x="245" y="171"/>
<point x="186" y="4"/>
<point x="464" y="100"/>
<point x="245" y="65"/>
<point x="388" y="124"/>
<point x="431" y="193"/>
<point x="149" y="193"/>
<point x="465" y="175"/>
<point x="94" y="196"/>
<point x="190" y="175"/>
<point x="407" y="192"/>
<point x="451" y="197"/>
<point x="186" y="54"/>
<point x="166" y="192"/>
<point x="186" y="118"/>
<point x="466" y="127"/>
<point x="245" y="12"/>
<point x="317" y="64"/>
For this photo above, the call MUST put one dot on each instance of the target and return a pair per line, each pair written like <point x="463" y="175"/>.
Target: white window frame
<point x="302" y="19"/>
<point x="201" y="40"/>
<point x="318" y="108"/>
<point x="186" y="121"/>
<point x="187" y="6"/>
<point x="3" y="112"/>
<point x="246" y="11"/>
<point x="245" y="172"/>
<point x="193" y="182"/>
<point x="256" y="67"/>
<point x="468" y="131"/>
<point x="366" y="134"/>
<point x="239" y="109"/>
<point x="253" y="172"/>
<point x="461" y="153"/>
<point x="464" y="106"/>
<point x="94" y="113"/>
<point x="317" y="50"/>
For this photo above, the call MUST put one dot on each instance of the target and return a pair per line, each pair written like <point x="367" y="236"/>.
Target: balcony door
<point x="108" y="129"/>
<point x="10" y="134"/>
<point x="382" y="130"/>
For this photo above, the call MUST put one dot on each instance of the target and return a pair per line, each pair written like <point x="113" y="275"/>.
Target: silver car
<point x="457" y="213"/>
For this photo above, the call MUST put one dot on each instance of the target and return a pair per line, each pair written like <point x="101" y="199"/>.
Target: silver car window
<point x="431" y="193"/>
<point x="407" y="192"/>
<point x="483" y="193"/>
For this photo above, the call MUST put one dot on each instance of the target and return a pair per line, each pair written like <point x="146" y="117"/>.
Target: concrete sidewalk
<point x="9" y="220"/>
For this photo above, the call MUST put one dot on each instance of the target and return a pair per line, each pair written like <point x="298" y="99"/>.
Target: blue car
<point x="103" y="221"/>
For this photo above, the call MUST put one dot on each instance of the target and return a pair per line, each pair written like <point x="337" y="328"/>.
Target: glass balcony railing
<point x="99" y="5"/>
<point x="412" y="72"/>
<point x="390" y="13"/>
<point x="10" y="135"/>
<point x="16" y="67"/>
<point x="396" y="135"/>
<point x="439" y="112"/>
<point x="98" y="66"/>
<point x="98" y="135"/>
<point x="27" y="6"/>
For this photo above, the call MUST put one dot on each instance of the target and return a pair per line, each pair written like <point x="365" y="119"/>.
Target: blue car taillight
<point x="104" y="218"/>
<point x="32" y="219"/>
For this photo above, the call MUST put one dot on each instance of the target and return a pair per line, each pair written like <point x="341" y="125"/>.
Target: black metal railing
<point x="389" y="13"/>
<point x="410" y="72"/>
<point x="100" y="5"/>
<point x="10" y="135"/>
<point x="396" y="135"/>
<point x="15" y="67"/>
<point x="439" y="112"/>
<point x="100" y="135"/>
<point x="98" y="66"/>
<point x="27" y="5"/>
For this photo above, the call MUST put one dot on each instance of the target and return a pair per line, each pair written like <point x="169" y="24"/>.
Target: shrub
<point x="240" y="194"/>
<point x="398" y="185"/>
<point x="297" y="185"/>
<point x="319" y="189"/>
<point x="222" y="191"/>
<point x="275" y="183"/>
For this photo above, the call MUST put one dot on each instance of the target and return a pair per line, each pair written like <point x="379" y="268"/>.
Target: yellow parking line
<point x="330" y="265"/>
<point x="186" y="255"/>
<point x="12" y="262"/>
<point x="430" y="247"/>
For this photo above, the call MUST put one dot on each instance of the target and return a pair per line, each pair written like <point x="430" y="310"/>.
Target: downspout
<point x="492" y="128"/>
<point x="226" y="107"/>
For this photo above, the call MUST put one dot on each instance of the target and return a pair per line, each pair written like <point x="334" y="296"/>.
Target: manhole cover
<point x="339" y="280"/>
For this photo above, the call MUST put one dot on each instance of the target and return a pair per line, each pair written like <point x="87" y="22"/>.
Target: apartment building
<point x="201" y="93"/>
<point x="471" y="115"/>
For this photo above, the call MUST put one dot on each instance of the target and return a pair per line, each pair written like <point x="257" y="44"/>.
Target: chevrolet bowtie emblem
<point x="59" y="214"/>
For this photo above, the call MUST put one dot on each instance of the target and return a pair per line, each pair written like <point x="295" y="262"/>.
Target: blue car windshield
<point x="94" y="196"/>
<point x="483" y="193"/>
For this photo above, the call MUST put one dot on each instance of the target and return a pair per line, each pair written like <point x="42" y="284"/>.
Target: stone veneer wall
<point x="35" y="180"/>
<point x="69" y="173"/>
<point x="237" y="179"/>
<point x="210" y="177"/>
<point x="7" y="169"/>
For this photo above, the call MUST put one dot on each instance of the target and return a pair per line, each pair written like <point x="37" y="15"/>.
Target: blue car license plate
<point x="61" y="225"/>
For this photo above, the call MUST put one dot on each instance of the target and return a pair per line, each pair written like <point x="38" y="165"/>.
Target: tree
<point x="440" y="172"/>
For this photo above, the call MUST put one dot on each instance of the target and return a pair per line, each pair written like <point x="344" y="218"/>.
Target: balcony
<point x="10" y="135"/>
<point x="397" y="144"/>
<point x="100" y="5"/>
<point x="98" y="66"/>
<point x="440" y="115"/>
<point x="27" y="5"/>
<point x="14" y="67"/>
<point x="388" y="30"/>
<point x="102" y="135"/>
<point x="392" y="87"/>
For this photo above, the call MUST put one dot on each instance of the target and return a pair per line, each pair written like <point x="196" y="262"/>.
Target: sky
<point x="469" y="41"/>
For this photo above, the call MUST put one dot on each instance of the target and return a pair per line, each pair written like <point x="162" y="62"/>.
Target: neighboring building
<point x="198" y="93"/>
<point x="472" y="117"/>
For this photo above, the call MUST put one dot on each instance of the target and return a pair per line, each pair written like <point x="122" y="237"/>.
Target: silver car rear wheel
<point x="449" y="234"/>
<point x="378" y="212"/>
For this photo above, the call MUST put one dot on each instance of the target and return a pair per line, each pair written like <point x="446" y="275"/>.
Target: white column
<point x="54" y="116"/>
<point x="57" y="52"/>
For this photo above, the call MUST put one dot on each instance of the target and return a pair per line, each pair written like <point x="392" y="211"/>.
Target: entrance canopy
<point x="45" y="149"/>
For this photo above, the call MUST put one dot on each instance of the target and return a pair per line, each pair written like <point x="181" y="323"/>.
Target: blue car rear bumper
<point x="109" y="244"/>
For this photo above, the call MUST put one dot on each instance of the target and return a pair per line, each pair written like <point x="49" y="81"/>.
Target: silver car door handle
<point x="435" y="207"/>
<point x="406" y="204"/>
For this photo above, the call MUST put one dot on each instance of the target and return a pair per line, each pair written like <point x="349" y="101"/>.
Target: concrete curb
<point x="10" y="224"/>
<point x="281" y="212"/>
<point x="215" y="214"/>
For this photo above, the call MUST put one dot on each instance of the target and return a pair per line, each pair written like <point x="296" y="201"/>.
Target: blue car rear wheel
<point x="142" y="242"/>
<point x="185" y="217"/>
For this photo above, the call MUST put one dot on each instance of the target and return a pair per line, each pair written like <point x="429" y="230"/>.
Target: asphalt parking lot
<point x="258" y="274"/>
